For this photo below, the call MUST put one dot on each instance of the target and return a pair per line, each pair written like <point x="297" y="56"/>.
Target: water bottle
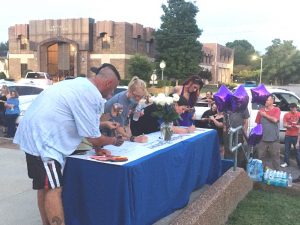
<point x="136" y="115"/>
<point x="290" y="180"/>
<point x="271" y="177"/>
<point x="266" y="175"/>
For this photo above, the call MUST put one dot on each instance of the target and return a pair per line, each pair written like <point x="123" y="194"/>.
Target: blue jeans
<point x="10" y="120"/>
<point x="288" y="142"/>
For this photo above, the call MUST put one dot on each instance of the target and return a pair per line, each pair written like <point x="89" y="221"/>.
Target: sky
<point x="256" y="21"/>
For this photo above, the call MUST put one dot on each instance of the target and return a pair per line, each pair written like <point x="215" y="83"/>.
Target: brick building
<point x="70" y="47"/>
<point x="219" y="60"/>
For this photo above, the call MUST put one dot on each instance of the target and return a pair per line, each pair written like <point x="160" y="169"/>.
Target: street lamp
<point x="162" y="65"/>
<point x="255" y="57"/>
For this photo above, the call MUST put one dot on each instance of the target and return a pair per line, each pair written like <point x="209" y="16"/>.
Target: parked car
<point x="283" y="98"/>
<point x="250" y="83"/>
<point x="27" y="93"/>
<point x="120" y="89"/>
<point x="38" y="78"/>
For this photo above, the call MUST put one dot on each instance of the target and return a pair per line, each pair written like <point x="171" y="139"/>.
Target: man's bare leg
<point x="54" y="207"/>
<point x="41" y="205"/>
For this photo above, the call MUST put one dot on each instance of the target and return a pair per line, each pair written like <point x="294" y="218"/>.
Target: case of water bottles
<point x="276" y="178"/>
<point x="270" y="177"/>
<point x="255" y="169"/>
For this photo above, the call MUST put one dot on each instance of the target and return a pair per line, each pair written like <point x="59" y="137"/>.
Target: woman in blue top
<point x="12" y="112"/>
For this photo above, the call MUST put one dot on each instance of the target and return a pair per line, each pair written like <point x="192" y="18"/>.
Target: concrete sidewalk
<point x="17" y="199"/>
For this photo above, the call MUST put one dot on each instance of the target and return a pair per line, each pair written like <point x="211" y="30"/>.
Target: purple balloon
<point x="239" y="99"/>
<point x="255" y="135"/>
<point x="259" y="94"/>
<point x="222" y="98"/>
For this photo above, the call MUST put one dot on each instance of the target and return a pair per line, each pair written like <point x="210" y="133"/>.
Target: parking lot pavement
<point x="17" y="199"/>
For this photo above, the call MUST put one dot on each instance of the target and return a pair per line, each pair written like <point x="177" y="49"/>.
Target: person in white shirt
<point x="55" y="124"/>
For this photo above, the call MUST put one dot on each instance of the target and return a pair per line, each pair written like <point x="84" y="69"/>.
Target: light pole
<point x="255" y="57"/>
<point x="162" y="65"/>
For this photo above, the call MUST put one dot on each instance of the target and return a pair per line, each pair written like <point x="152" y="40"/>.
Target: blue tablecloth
<point x="142" y="191"/>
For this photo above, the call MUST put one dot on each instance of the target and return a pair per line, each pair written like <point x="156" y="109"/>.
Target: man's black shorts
<point x="44" y="175"/>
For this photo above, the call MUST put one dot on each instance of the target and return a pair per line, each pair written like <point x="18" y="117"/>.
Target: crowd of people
<point x="80" y="109"/>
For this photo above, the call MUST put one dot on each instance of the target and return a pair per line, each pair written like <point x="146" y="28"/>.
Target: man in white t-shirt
<point x="55" y="124"/>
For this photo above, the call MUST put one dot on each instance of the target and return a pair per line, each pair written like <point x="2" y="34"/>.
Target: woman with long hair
<point x="190" y="90"/>
<point x="129" y="99"/>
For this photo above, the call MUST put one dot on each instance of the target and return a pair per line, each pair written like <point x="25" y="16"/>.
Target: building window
<point x="105" y="41"/>
<point x="136" y="43"/>
<point x="210" y="59"/>
<point x="23" y="43"/>
<point x="24" y="68"/>
<point x="149" y="45"/>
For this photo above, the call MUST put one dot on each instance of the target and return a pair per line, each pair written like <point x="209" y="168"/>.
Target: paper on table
<point x="134" y="151"/>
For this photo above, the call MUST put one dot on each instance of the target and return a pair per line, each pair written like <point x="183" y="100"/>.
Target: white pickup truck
<point x="38" y="78"/>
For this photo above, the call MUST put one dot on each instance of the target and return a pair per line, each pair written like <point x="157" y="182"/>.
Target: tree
<point x="2" y="75"/>
<point x="141" y="66"/>
<point x="243" y="51"/>
<point x="4" y="46"/>
<point x="205" y="74"/>
<point x="281" y="63"/>
<point x="176" y="40"/>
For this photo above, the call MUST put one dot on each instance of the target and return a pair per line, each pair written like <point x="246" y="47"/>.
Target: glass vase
<point x="166" y="131"/>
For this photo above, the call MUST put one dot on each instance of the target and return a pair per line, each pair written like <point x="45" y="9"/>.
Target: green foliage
<point x="124" y="82"/>
<point x="281" y="63"/>
<point x="176" y="40"/>
<point x="163" y="83"/>
<point x="4" y="46"/>
<point x="243" y="51"/>
<point x="247" y="74"/>
<point x="241" y="73"/>
<point x="231" y="85"/>
<point x="205" y="74"/>
<point x="209" y="87"/>
<point x="2" y="75"/>
<point x="140" y="66"/>
<point x="166" y="113"/>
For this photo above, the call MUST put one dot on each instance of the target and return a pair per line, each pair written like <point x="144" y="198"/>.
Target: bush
<point x="231" y="85"/>
<point x="163" y="83"/>
<point x="2" y="75"/>
<point x="124" y="82"/>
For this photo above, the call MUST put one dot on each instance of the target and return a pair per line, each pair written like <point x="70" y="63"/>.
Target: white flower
<point x="176" y="97"/>
<point x="161" y="95"/>
<point x="162" y="99"/>
<point x="152" y="99"/>
<point x="169" y="100"/>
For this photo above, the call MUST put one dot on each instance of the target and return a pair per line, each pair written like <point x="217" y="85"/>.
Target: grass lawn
<point x="266" y="208"/>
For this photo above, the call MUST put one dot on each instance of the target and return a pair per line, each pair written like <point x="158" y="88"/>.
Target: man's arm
<point x="104" y="140"/>
<point x="245" y="125"/>
<point x="272" y="118"/>
<point x="285" y="123"/>
<point x="258" y="117"/>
